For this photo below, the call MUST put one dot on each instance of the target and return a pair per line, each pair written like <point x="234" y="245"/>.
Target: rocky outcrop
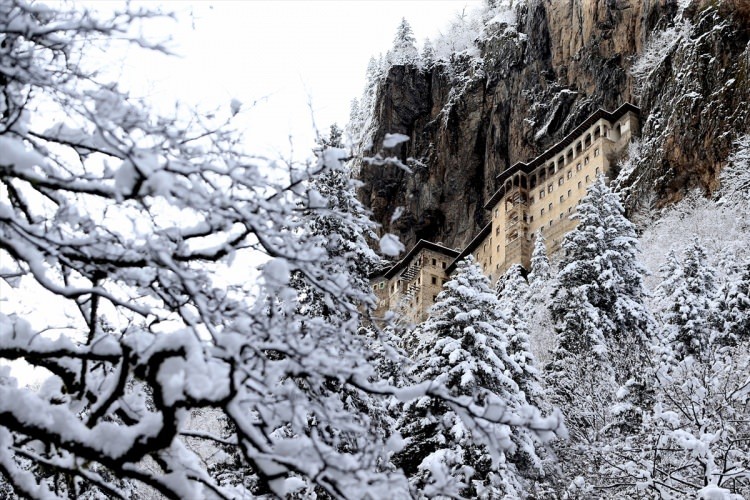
<point x="470" y="120"/>
<point x="695" y="102"/>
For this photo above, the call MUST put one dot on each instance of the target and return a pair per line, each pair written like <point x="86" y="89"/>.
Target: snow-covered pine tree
<point x="428" y="54"/>
<point x="601" y="320"/>
<point x="361" y="112"/>
<point x="330" y="192"/>
<point x="541" y="270"/>
<point x="735" y="176"/>
<point x="466" y="349"/>
<point x="689" y="294"/>
<point x="513" y="293"/>
<point x="734" y="310"/>
<point x="671" y="274"/>
<point x="404" y="51"/>
<point x="541" y="287"/>
<point x="354" y="126"/>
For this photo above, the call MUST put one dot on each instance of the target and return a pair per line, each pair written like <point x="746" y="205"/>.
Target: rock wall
<point x="695" y="104"/>
<point x="468" y="121"/>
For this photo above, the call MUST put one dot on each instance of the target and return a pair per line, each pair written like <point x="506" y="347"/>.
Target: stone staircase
<point x="408" y="279"/>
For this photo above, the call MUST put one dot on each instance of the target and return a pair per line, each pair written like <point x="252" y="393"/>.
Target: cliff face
<point x="470" y="120"/>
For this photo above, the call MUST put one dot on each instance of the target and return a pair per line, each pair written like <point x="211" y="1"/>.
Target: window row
<point x="552" y="168"/>
<point x="560" y="217"/>
<point x="561" y="181"/>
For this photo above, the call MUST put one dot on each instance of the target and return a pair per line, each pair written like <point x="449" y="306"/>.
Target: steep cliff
<point x="472" y="117"/>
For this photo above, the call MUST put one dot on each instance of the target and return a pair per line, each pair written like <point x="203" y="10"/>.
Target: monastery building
<point x="537" y="196"/>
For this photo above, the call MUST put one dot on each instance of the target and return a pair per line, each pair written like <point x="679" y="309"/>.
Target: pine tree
<point x="361" y="111"/>
<point x="601" y="275"/>
<point x="330" y="193"/>
<point x="541" y="287"/>
<point x="512" y="293"/>
<point x="541" y="270"/>
<point x="598" y="307"/>
<point x="735" y="176"/>
<point x="465" y="348"/>
<point x="404" y="51"/>
<point x="734" y="310"/>
<point x="354" y="126"/>
<point x="428" y="54"/>
<point x="671" y="273"/>
<point x="689" y="293"/>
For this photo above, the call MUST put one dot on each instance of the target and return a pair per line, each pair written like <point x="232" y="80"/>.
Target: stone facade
<point x="541" y="195"/>
<point x="409" y="288"/>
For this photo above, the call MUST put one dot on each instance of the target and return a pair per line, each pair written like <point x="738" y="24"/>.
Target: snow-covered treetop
<point x="458" y="43"/>
<point x="735" y="176"/>
<point x="404" y="49"/>
<point x="541" y="270"/>
<point x="465" y="346"/>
